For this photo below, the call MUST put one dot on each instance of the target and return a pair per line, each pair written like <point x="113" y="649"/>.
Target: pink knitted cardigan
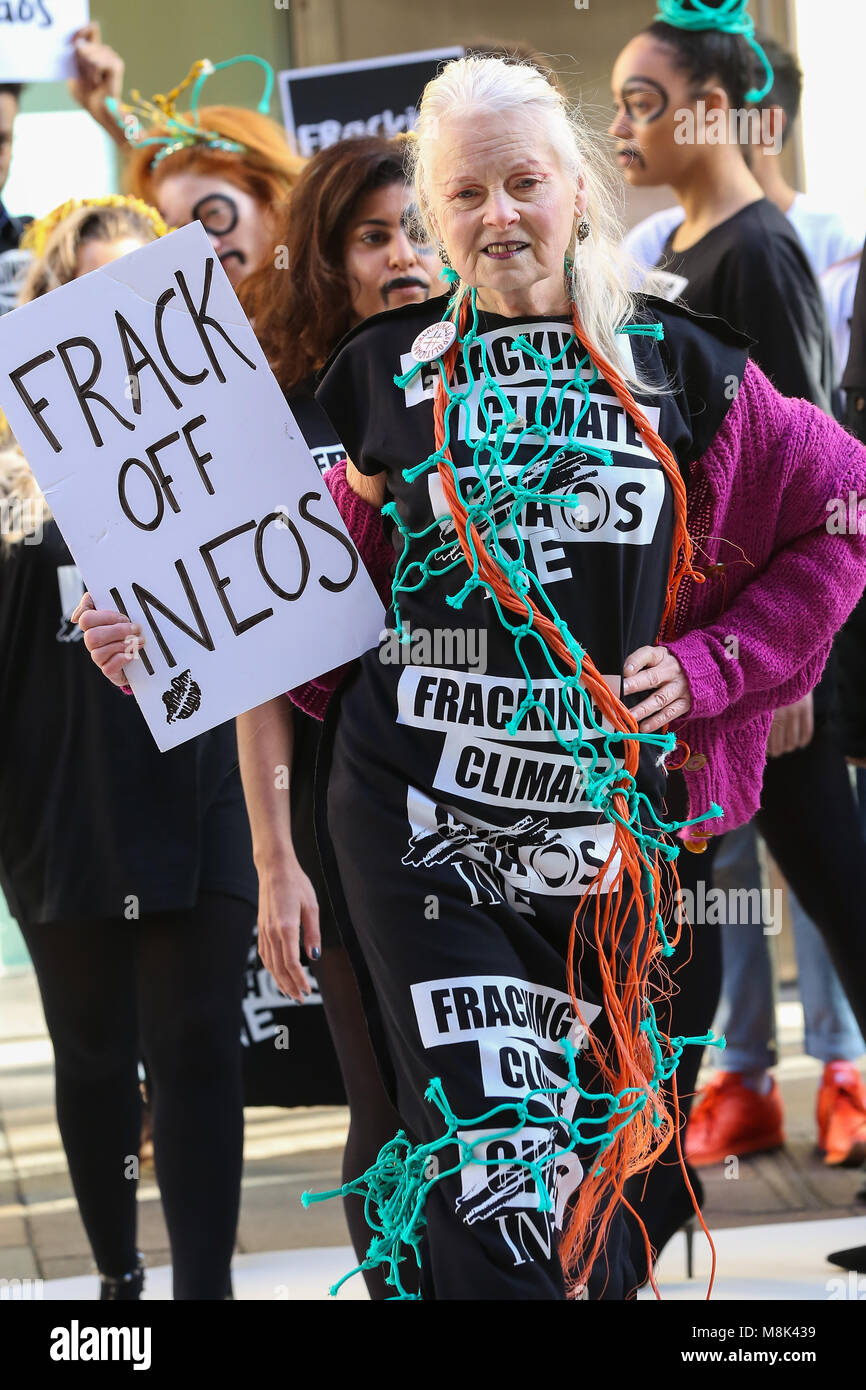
<point x="779" y="584"/>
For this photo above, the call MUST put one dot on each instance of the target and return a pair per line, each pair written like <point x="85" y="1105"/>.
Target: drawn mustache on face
<point x="403" y="282"/>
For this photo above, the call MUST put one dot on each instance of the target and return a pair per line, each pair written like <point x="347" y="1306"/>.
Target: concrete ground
<point x="288" y="1152"/>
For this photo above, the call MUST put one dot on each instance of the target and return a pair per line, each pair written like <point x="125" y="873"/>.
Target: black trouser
<point x="169" y="985"/>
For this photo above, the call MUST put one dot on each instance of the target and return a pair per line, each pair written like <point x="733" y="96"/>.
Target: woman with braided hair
<point x="502" y="815"/>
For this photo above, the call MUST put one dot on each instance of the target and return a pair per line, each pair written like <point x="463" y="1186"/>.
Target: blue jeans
<point x="830" y="1027"/>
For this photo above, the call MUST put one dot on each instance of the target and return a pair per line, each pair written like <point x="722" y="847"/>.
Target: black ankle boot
<point x="666" y="1209"/>
<point x="125" y="1289"/>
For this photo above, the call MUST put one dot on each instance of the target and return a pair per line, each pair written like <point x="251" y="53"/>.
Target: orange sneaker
<point x="729" y="1118"/>
<point x="841" y="1113"/>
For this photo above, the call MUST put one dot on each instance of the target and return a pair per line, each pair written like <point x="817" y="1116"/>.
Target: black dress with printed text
<point x="463" y="850"/>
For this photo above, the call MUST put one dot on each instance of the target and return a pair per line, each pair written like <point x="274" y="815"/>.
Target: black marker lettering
<point x="35" y="408"/>
<point x="201" y="319"/>
<point x="124" y="500"/>
<point x="329" y="584"/>
<point x="221" y="582"/>
<point x="198" y="459"/>
<point x="128" y="337"/>
<point x="165" y="480"/>
<point x="161" y="304"/>
<point x="83" y="390"/>
<point x="142" y="654"/>
<point x="145" y="600"/>
<point x="302" y="549"/>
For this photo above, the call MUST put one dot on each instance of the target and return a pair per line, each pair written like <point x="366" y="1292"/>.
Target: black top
<point x="92" y="815"/>
<point x="604" y="567"/>
<point x="11" y="229"/>
<point x="752" y="271"/>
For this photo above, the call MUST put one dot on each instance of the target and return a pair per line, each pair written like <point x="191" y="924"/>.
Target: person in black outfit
<point x="349" y="255"/>
<point x="145" y="950"/>
<point x="736" y="257"/>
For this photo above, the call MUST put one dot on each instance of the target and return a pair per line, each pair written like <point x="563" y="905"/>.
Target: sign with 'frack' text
<point x="35" y="38"/>
<point x="182" y="484"/>
<point x="374" y="96"/>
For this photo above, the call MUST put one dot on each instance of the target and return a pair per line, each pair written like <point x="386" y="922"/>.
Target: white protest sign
<point x="35" y="38"/>
<point x="183" y="486"/>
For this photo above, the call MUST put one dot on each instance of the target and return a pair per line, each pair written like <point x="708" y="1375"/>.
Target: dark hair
<point x="706" y="55"/>
<point x="787" y="88"/>
<point x="302" y="312"/>
<point x="11" y="89"/>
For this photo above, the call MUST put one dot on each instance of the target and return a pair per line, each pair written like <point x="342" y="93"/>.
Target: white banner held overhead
<point x="183" y="486"/>
<point x="35" y="39"/>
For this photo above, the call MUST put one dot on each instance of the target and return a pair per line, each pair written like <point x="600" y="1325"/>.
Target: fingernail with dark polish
<point x="315" y="953"/>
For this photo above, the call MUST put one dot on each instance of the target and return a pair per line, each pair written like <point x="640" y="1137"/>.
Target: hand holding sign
<point x="110" y="637"/>
<point x="36" y="39"/>
<point x="183" y="487"/>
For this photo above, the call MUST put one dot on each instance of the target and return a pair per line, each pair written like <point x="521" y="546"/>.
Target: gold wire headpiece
<point x="36" y="235"/>
<point x="182" y="132"/>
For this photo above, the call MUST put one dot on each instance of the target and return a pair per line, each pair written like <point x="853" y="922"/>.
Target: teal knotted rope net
<point x="395" y="1189"/>
<point x="496" y="492"/>
<point x="724" y="16"/>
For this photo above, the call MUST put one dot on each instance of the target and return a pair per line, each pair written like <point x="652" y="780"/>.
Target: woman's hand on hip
<point x="109" y="636"/>
<point x="657" y="670"/>
<point x="792" y="727"/>
<point x="288" y="913"/>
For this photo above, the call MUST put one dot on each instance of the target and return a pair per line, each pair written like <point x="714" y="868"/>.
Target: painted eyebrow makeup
<point x="649" y="87"/>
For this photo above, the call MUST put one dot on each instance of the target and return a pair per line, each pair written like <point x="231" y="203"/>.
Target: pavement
<point x="774" y="1217"/>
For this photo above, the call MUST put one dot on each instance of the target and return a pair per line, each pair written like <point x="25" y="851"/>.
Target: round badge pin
<point x="432" y="342"/>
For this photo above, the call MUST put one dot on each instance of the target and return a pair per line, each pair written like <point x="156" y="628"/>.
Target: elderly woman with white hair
<point x="553" y="457"/>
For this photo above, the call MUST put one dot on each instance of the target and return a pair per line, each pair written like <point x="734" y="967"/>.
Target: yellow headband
<point x="36" y="235"/>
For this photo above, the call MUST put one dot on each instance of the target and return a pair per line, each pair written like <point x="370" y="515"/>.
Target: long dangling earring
<point x="583" y="230"/>
<point x="443" y="256"/>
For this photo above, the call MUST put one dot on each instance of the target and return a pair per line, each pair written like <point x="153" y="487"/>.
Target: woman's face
<point x="502" y="204"/>
<point x="385" y="267"/>
<point x="648" y="92"/>
<point x="238" y="225"/>
<point x="92" y="255"/>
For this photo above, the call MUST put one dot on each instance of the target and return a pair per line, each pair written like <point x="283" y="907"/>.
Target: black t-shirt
<point x="751" y="270"/>
<point x="441" y="715"/>
<point x="94" y="820"/>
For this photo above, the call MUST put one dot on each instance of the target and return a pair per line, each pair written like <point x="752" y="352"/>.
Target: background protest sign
<point x="34" y="38"/>
<point x="183" y="486"/>
<point x="376" y="96"/>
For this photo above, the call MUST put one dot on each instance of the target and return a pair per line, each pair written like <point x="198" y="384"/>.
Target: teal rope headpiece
<point x="726" y="17"/>
<point x="184" y="132"/>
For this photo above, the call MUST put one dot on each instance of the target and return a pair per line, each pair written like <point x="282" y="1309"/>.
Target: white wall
<point x="830" y="48"/>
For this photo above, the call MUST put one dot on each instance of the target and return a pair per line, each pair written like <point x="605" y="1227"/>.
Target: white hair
<point x="601" y="271"/>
